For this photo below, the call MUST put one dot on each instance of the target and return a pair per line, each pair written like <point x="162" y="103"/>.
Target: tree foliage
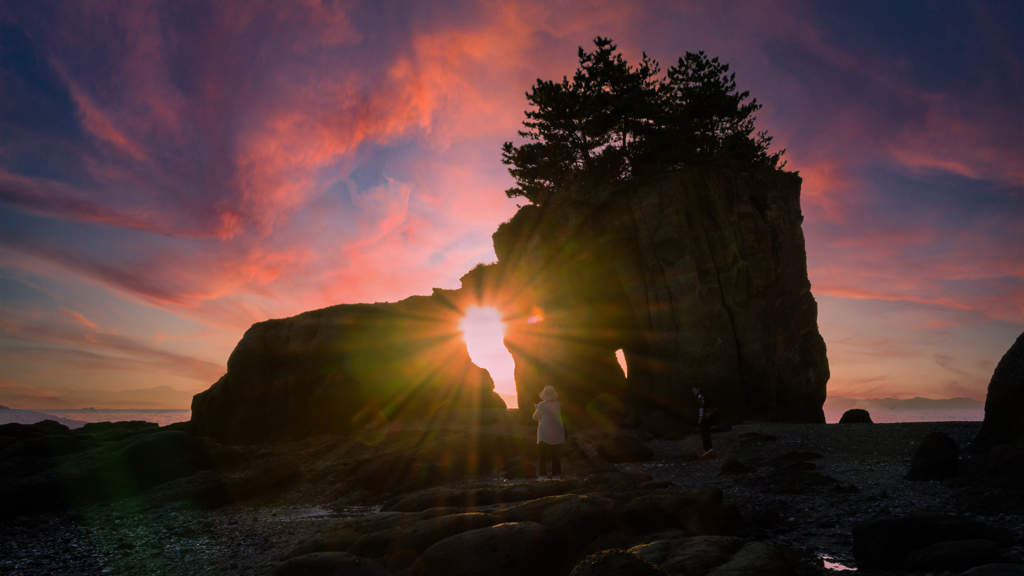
<point x="614" y="121"/>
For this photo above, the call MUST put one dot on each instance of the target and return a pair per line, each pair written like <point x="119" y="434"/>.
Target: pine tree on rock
<point x="613" y="122"/>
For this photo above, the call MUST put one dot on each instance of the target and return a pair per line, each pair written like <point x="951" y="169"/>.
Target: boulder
<point x="655" y="551"/>
<point x="1004" y="404"/>
<point x="329" y="564"/>
<point x="955" y="555"/>
<point x="479" y="496"/>
<point x="616" y="563"/>
<point x="405" y="543"/>
<point x="698" y="513"/>
<point x="756" y="559"/>
<point x="856" y="416"/>
<point x="624" y="448"/>
<point x="937" y="458"/>
<point x="340" y="536"/>
<point x="510" y="549"/>
<point x="886" y="543"/>
<point x="695" y="556"/>
<point x="576" y="518"/>
<point x="698" y="275"/>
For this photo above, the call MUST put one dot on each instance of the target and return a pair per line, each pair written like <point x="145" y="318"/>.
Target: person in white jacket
<point x="550" y="432"/>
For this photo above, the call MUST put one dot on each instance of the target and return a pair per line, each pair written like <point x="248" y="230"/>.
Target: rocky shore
<point x="776" y="498"/>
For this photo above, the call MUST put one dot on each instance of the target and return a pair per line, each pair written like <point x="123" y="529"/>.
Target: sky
<point x="172" y="172"/>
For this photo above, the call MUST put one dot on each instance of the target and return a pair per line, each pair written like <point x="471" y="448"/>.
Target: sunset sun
<point x="484" y="332"/>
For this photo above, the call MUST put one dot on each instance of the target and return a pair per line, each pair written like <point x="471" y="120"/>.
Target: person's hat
<point x="548" y="394"/>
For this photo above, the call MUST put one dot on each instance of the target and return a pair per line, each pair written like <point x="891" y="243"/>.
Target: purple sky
<point x="172" y="172"/>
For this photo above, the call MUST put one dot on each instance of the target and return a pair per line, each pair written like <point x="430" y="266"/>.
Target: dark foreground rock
<point x="856" y="416"/>
<point x="511" y="549"/>
<point x="889" y="543"/>
<point x="697" y="555"/>
<point x="402" y="545"/>
<point x="330" y="564"/>
<point x="616" y="563"/>
<point x="954" y="555"/>
<point x="1004" y="404"/>
<point x="937" y="458"/>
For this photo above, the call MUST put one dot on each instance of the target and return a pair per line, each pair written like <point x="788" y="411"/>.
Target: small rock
<point x="937" y="458"/>
<point x="856" y="416"/>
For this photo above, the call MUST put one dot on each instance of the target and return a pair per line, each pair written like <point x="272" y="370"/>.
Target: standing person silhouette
<point x="705" y="414"/>
<point x="550" y="432"/>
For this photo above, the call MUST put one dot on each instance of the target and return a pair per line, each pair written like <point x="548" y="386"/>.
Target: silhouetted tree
<point x="613" y="122"/>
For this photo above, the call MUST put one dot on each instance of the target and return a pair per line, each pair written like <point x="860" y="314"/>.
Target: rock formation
<point x="343" y="368"/>
<point x="1004" y="404"/>
<point x="698" y="275"/>
<point x="856" y="416"/>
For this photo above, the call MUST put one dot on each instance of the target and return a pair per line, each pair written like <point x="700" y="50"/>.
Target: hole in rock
<point x="484" y="332"/>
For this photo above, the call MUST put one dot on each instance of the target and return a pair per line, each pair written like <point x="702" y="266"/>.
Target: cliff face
<point x="699" y="276"/>
<point x="341" y="368"/>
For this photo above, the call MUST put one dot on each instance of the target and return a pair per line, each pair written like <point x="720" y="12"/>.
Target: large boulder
<point x="616" y="563"/>
<point x="955" y="555"/>
<point x="479" y="496"/>
<point x="698" y="513"/>
<point x="698" y="275"/>
<point x="717" y="555"/>
<point x="937" y="458"/>
<point x="697" y="556"/>
<point x="888" y="542"/>
<point x="403" y="544"/>
<point x="1004" y="404"/>
<point x="340" y="369"/>
<point x="340" y="536"/>
<point x="329" y="564"/>
<point x="576" y="518"/>
<point x="756" y="558"/>
<point x="510" y="549"/>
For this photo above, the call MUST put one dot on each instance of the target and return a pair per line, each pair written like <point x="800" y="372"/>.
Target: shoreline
<point x="868" y="462"/>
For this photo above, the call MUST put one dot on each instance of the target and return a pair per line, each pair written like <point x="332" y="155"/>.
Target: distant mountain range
<point x="840" y="402"/>
<point x="158" y="397"/>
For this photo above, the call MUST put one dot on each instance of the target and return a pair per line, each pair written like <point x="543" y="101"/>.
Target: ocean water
<point x="75" y="418"/>
<point x="890" y="415"/>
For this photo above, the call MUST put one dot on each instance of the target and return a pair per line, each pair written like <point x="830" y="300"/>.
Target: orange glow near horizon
<point x="484" y="332"/>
